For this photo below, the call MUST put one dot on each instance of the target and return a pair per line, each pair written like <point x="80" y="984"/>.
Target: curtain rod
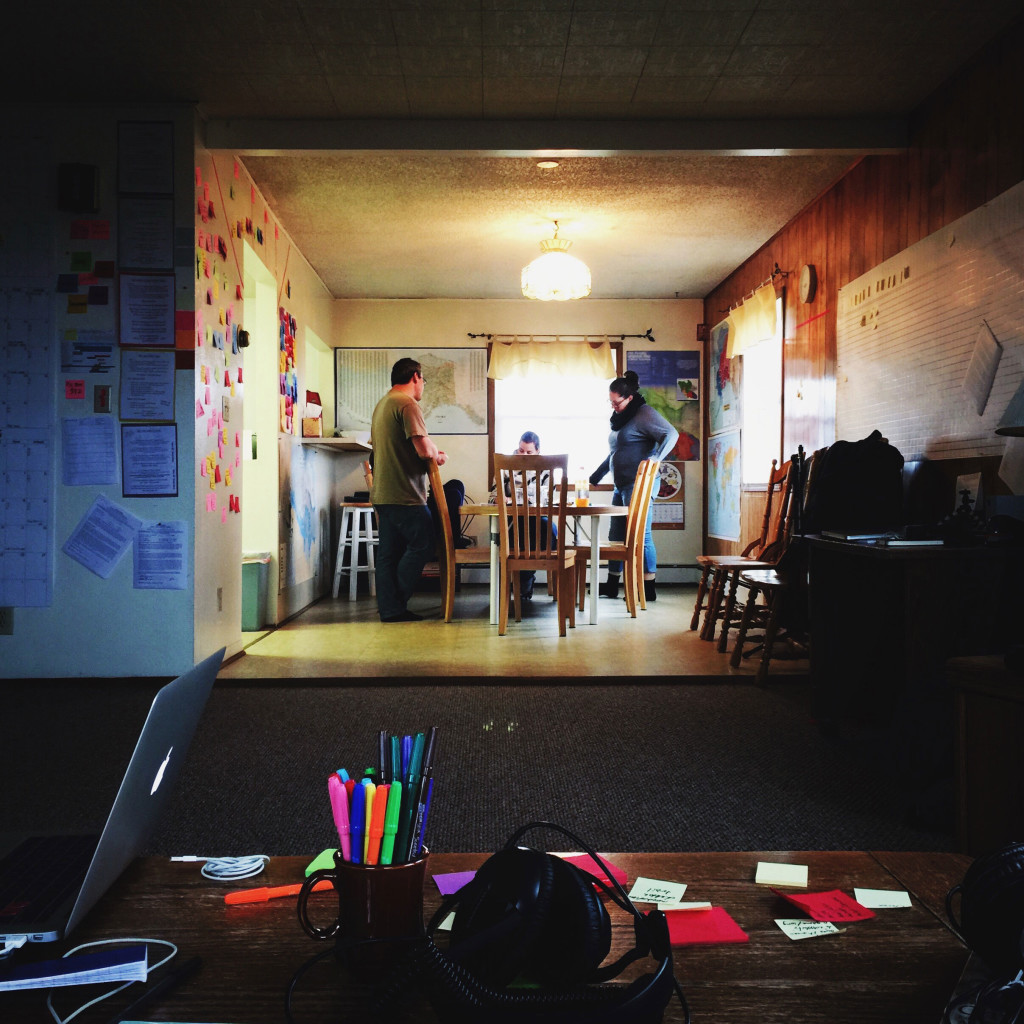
<point x="649" y="336"/>
<point x="776" y="272"/>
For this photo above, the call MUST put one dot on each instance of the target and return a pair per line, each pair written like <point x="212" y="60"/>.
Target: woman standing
<point x="638" y="433"/>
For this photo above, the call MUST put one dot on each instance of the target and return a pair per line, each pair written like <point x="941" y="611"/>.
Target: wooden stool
<point x="356" y="528"/>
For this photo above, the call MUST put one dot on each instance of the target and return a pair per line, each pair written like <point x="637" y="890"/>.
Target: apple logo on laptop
<point x="159" y="777"/>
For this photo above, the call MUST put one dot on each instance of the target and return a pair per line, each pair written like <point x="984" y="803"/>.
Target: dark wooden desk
<point x="898" y="968"/>
<point x="885" y="619"/>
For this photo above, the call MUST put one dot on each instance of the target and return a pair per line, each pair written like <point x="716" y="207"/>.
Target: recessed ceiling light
<point x="547" y="165"/>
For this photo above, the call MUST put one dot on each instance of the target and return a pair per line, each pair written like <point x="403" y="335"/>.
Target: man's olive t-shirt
<point x="399" y="474"/>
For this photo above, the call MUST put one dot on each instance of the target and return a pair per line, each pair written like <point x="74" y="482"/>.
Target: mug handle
<point x="307" y="887"/>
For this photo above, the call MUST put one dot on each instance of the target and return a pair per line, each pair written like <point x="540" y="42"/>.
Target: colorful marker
<point x="387" y="847"/>
<point x="339" y="808"/>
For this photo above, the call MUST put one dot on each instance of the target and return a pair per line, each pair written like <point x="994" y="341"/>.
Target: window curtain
<point x="551" y="359"/>
<point x="752" y="321"/>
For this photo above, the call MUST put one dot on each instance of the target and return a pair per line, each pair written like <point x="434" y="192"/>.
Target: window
<point x="762" y="406"/>
<point x="568" y="414"/>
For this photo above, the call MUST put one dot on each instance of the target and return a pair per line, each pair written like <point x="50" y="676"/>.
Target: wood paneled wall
<point x="966" y="147"/>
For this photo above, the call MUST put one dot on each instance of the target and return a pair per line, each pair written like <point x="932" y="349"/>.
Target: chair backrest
<point x="640" y="502"/>
<point x="785" y="511"/>
<point x="530" y="489"/>
<point x="446" y="544"/>
<point x="777" y="478"/>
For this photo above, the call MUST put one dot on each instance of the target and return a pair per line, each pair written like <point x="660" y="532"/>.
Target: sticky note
<point x="703" y="927"/>
<point x="798" y="928"/>
<point x="651" y="890"/>
<point x="695" y="905"/>
<point x="880" y="899"/>
<point x="452" y="881"/>
<point x="781" y="874"/>
<point x="586" y="863"/>
<point x="833" y="905"/>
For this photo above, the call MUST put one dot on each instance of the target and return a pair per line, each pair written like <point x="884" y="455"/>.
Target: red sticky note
<point x="216" y="474"/>
<point x="586" y="863"/>
<point x="703" y="927"/>
<point x="74" y="389"/>
<point x="832" y="906"/>
<point x="236" y="168"/>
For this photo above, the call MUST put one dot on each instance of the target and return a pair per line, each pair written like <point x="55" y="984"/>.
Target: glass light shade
<point x="555" y="275"/>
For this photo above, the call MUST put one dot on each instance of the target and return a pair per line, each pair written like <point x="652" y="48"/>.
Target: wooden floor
<point x="336" y="638"/>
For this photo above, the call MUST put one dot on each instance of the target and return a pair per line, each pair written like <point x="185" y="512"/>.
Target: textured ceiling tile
<point x="502" y="61"/>
<point x="526" y="5"/>
<point x="525" y="28"/>
<point x="366" y="27"/>
<point x="788" y="28"/>
<point x="421" y="61"/>
<point x="358" y="96"/>
<point x="686" y="61"/>
<point x="767" y="60"/>
<point x="444" y="97"/>
<point x="714" y="27"/>
<point x="627" y="28"/>
<point x="376" y="61"/>
<point x="598" y="89"/>
<point x="520" y="97"/>
<point x="279" y="94"/>
<point x="812" y="95"/>
<point x="437" y="27"/>
<point x="664" y="90"/>
<point x="601" y="60"/>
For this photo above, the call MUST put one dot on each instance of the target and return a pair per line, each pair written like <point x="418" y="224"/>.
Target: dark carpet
<point x="726" y="766"/>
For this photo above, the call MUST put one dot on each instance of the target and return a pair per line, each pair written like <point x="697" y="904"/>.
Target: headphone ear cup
<point x="501" y="913"/>
<point x="577" y="932"/>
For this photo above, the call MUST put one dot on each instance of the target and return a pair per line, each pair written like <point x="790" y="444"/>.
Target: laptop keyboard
<point x="39" y="875"/>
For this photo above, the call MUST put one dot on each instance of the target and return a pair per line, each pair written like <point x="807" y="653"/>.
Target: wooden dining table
<point x="593" y="513"/>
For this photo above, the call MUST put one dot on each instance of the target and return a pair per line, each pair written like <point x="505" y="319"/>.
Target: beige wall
<point x="447" y="323"/>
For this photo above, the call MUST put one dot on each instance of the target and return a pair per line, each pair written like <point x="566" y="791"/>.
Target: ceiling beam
<point x="856" y="136"/>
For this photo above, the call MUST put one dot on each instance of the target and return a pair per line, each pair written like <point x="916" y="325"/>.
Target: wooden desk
<point x="898" y="968"/>
<point x="595" y="513"/>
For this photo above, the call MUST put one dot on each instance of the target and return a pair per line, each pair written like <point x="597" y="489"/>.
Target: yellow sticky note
<point x="781" y="874"/>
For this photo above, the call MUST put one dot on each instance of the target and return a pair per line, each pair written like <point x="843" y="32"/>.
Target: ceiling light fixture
<point x="547" y="165"/>
<point x="554" y="274"/>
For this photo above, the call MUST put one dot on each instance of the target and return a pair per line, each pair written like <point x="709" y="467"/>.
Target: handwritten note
<point x="798" y="928"/>
<point x="879" y="899"/>
<point x="650" y="890"/>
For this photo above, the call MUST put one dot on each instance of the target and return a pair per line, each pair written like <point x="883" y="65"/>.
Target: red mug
<point x="375" y="901"/>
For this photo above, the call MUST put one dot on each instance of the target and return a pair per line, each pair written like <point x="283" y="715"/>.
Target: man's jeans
<point x="405" y="543"/>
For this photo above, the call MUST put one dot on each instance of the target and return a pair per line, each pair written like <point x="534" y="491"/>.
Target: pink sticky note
<point x="833" y="905"/>
<point x="703" y="927"/>
<point x="74" y="389"/>
<point x="202" y="468"/>
<point x="199" y="409"/>
<point x="224" y="514"/>
<point x="238" y="461"/>
<point x="238" y="439"/>
<point x="586" y="863"/>
<point x="453" y="881"/>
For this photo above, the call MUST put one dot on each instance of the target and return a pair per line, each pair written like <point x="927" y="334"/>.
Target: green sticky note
<point x="322" y="860"/>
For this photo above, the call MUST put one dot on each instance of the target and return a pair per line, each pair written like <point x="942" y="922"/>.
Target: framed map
<point x="724" y="481"/>
<point x="669" y="382"/>
<point x="724" y="381"/>
<point x="454" y="399"/>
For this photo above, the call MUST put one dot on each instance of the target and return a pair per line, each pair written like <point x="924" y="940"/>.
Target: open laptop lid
<point x="146" y="788"/>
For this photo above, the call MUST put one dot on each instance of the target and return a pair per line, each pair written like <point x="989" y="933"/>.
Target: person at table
<point x="529" y="444"/>
<point x="638" y="433"/>
<point x="405" y="528"/>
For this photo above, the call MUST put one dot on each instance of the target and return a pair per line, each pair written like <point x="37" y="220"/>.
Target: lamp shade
<point x="554" y="274"/>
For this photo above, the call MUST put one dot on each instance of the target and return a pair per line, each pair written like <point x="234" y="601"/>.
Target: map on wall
<point x="306" y="506"/>
<point x="724" y="486"/>
<point x="724" y="393"/>
<point x="669" y="381"/>
<point x="454" y="399"/>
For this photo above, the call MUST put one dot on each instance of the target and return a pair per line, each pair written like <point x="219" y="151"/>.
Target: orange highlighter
<point x="271" y="892"/>
<point x="376" y="830"/>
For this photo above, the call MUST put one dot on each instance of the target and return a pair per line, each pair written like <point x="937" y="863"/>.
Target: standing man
<point x="405" y="532"/>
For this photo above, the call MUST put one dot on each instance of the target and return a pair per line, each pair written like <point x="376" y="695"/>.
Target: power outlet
<point x="6" y="621"/>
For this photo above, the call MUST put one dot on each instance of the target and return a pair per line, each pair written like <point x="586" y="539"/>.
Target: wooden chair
<point x="525" y="535"/>
<point x="770" y="586"/>
<point x="718" y="571"/>
<point x="448" y="555"/>
<point x="630" y="551"/>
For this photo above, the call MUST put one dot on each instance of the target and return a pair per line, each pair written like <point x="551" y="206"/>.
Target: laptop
<point x="49" y="883"/>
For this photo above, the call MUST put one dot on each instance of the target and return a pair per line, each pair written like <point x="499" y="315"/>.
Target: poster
<point x="724" y="483"/>
<point x="723" y="383"/>
<point x="667" y="380"/>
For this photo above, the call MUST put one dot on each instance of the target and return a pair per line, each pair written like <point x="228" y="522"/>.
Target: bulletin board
<point x="930" y="344"/>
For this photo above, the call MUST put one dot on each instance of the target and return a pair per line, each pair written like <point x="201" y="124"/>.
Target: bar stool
<point x="356" y="528"/>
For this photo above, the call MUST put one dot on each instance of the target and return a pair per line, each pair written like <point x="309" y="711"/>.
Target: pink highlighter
<point x="339" y="807"/>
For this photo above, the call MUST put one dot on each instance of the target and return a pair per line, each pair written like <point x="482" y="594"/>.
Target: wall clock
<point x="808" y="282"/>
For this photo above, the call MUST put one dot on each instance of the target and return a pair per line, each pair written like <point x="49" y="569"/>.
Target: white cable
<point x="222" y="869"/>
<point x="120" y="988"/>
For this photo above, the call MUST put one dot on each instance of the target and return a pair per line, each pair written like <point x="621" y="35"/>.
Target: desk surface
<point x="900" y="966"/>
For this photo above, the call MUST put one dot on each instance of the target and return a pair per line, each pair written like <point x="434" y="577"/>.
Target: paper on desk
<point x="129" y="963"/>
<point x="833" y="905"/>
<point x="781" y="874"/>
<point x="880" y="899"/>
<point x="651" y="890"/>
<point x="586" y="863"/>
<point x="798" y="928"/>
<point x="452" y="881"/>
<point x="703" y="927"/>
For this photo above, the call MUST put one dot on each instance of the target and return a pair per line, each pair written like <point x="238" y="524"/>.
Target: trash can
<point x="255" y="573"/>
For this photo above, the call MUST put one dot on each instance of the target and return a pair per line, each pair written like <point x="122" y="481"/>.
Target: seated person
<point x="529" y="444"/>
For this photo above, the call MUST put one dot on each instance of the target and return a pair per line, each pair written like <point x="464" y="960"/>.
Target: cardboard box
<point x="313" y="427"/>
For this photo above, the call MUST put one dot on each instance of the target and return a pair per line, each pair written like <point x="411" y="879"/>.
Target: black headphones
<point x="528" y="939"/>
